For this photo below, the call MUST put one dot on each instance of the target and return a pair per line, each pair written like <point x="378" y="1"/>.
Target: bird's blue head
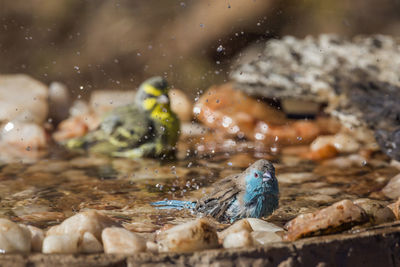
<point x="260" y="179"/>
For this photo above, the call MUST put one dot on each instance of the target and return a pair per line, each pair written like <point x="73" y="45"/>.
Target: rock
<point x="59" y="102"/>
<point x="37" y="237"/>
<point x="377" y="211"/>
<point x="89" y="244"/>
<point x="22" y="99"/>
<point x="151" y="246"/>
<point x="239" y="239"/>
<point x="119" y="240"/>
<point x="263" y="238"/>
<point x="343" y="143"/>
<point x="325" y="152"/>
<point x="395" y="207"/>
<point x="23" y="135"/>
<point x="263" y="226"/>
<point x="67" y="243"/>
<point x="76" y="126"/>
<point x="392" y="189"/>
<point x="292" y="133"/>
<point x="181" y="105"/>
<point x="79" y="108"/>
<point x="239" y="226"/>
<point x="14" y="238"/>
<point x="192" y="236"/>
<point x="358" y="89"/>
<point x="340" y="216"/>
<point x="237" y="114"/>
<point x="87" y="221"/>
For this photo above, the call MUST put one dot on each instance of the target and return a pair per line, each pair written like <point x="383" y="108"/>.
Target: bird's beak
<point x="163" y="99"/>
<point x="266" y="176"/>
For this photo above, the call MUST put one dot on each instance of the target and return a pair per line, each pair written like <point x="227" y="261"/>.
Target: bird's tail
<point x="174" y="204"/>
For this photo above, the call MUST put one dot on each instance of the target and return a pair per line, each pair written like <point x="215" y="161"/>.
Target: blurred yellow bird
<point x="146" y="128"/>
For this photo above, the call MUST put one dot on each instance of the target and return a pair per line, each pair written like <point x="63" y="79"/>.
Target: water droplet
<point x="220" y="48"/>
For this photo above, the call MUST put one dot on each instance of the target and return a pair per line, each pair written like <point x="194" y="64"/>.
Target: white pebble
<point x="37" y="236"/>
<point x="238" y="240"/>
<point x="262" y="237"/>
<point x="192" y="236"/>
<point x="61" y="244"/>
<point x="87" y="221"/>
<point x="14" y="238"/>
<point x="90" y="244"/>
<point x="261" y="225"/>
<point x="119" y="240"/>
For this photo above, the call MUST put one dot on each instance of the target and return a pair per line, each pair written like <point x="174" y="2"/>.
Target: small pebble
<point x="239" y="226"/>
<point x="339" y="216"/>
<point x="188" y="237"/>
<point x="118" y="240"/>
<point x="392" y="189"/>
<point x="14" y="238"/>
<point x="87" y="221"/>
<point x="37" y="237"/>
<point x="61" y="244"/>
<point x="239" y="239"/>
<point x="377" y="211"/>
<point x="263" y="238"/>
<point x="90" y="244"/>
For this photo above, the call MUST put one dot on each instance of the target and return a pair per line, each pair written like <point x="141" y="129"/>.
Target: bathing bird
<point x="146" y="128"/>
<point x="253" y="193"/>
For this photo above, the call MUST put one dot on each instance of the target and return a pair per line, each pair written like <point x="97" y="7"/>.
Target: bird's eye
<point x="256" y="175"/>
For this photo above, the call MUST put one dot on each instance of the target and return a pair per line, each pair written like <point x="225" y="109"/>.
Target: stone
<point x="14" y="238"/>
<point x="89" y="244"/>
<point x="240" y="226"/>
<point x="118" y="240"/>
<point x="392" y="189"/>
<point x="23" y="99"/>
<point x="59" y="102"/>
<point x="87" y="221"/>
<point x="241" y="239"/>
<point x="76" y="126"/>
<point x="263" y="237"/>
<point x="236" y="115"/>
<point x="37" y="237"/>
<point x="395" y="207"/>
<point x="343" y="143"/>
<point x="324" y="152"/>
<point x="377" y="211"/>
<point x="23" y="135"/>
<point x="263" y="226"/>
<point x="181" y="105"/>
<point x="67" y="243"/>
<point x="356" y="87"/>
<point x="340" y="216"/>
<point x="192" y="236"/>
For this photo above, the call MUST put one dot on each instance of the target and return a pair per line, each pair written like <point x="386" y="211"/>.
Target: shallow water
<point x="49" y="190"/>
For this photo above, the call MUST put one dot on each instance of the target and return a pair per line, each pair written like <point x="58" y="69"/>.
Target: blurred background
<point x="116" y="44"/>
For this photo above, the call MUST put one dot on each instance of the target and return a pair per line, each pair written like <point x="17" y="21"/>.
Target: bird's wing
<point x="221" y="198"/>
<point x="126" y="125"/>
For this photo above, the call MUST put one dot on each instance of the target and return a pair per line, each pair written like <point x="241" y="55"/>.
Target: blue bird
<point x="253" y="193"/>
